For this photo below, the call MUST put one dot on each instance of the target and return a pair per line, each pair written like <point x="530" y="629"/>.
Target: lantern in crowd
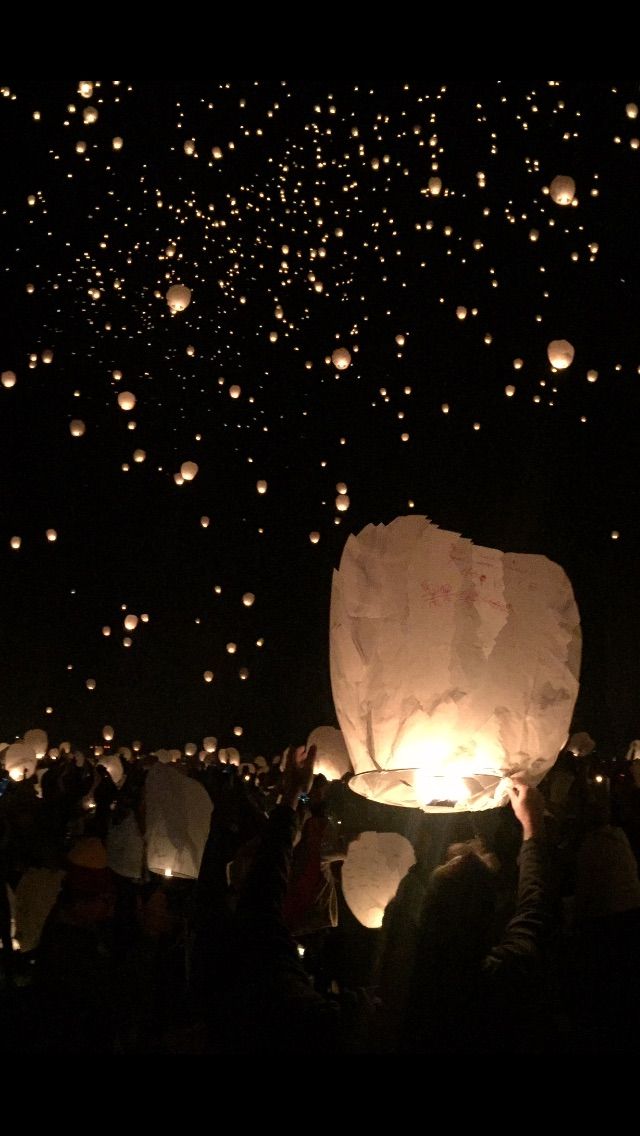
<point x="261" y="486"/>
<point x="191" y="749"/>
<point x="562" y="190"/>
<point x="177" y="816"/>
<point x="20" y="761"/>
<point x="189" y="470"/>
<point x="178" y="297"/>
<point x="560" y="354"/>
<point x="580" y="745"/>
<point x="341" y="358"/>
<point x="113" y="766"/>
<point x="453" y="667"/>
<point x="210" y="744"/>
<point x="314" y="537"/>
<point x="332" y="758"/>
<point x="374" y="866"/>
<point x="38" y="741"/>
<point x="107" y="733"/>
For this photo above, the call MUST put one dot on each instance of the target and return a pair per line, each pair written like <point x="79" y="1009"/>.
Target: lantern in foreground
<point x="178" y="297"/>
<point x="38" y="741"/>
<point x="20" y="761"/>
<point x="560" y="353"/>
<point x="177" y="815"/>
<point x="107" y="733"/>
<point x="562" y="190"/>
<point x="453" y="667"/>
<point x="371" y="874"/>
<point x="332" y="758"/>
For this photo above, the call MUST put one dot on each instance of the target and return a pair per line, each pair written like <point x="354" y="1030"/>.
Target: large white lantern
<point x="453" y="666"/>
<point x="562" y="190"/>
<point x="332" y="757"/>
<point x="38" y="741"/>
<point x="560" y="353"/>
<point x="177" y="815"/>
<point x="375" y="865"/>
<point x="113" y="766"/>
<point x="20" y="761"/>
<point x="178" y="297"/>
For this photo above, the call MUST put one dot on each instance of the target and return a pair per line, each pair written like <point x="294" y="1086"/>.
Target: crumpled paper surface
<point x="375" y="864"/>
<point x="332" y="756"/>
<point x="177" y="815"/>
<point x="453" y="666"/>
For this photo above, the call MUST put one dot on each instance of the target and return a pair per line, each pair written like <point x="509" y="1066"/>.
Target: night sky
<point x="301" y="217"/>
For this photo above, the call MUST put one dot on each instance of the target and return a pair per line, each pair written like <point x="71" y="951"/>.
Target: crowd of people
<point x="126" y="929"/>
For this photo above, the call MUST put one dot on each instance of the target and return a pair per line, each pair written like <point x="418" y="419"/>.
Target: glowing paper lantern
<point x="560" y="354"/>
<point x="248" y="599"/>
<point x="235" y="391"/>
<point x="510" y="391"/>
<point x="130" y="622"/>
<point x="210" y="744"/>
<point x="8" y="379"/>
<point x="90" y="115"/>
<point x="205" y="522"/>
<point x="261" y="486"/>
<point x="238" y="731"/>
<point x="342" y="502"/>
<point x="581" y="745"/>
<point x="117" y="143"/>
<point x="90" y="684"/>
<point x="47" y="356"/>
<point x="113" y="766"/>
<point x="341" y="358"/>
<point x="52" y="536"/>
<point x="38" y="742"/>
<point x="177" y="817"/>
<point x="139" y="456"/>
<point x="435" y="186"/>
<point x="189" y="470"/>
<point x="15" y="542"/>
<point x="562" y="190"/>
<point x="314" y="537"/>
<point x="107" y="733"/>
<point x="106" y="631"/>
<point x="77" y="428"/>
<point x="341" y="487"/>
<point x="191" y="749"/>
<point x="208" y="676"/>
<point x="375" y="865"/>
<point x="126" y="400"/>
<point x="232" y="648"/>
<point x="332" y="757"/>
<point x="178" y="297"/>
<point x="20" y="761"/>
<point x="452" y="666"/>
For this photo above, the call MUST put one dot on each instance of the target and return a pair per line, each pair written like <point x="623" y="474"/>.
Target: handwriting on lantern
<point x="436" y="595"/>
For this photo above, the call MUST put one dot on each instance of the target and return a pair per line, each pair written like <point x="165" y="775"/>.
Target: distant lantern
<point x="235" y="391"/>
<point x="509" y="391"/>
<point x="232" y="648"/>
<point x="8" y="379"/>
<point x="85" y="89"/>
<point x="139" y="455"/>
<point x="178" y="478"/>
<point x="189" y="147"/>
<point x="191" y="351"/>
<point x="243" y="673"/>
<point x="533" y="234"/>
<point x="136" y="746"/>
<point x="178" y="297"/>
<point x="560" y="354"/>
<point x="517" y="364"/>
<point x="238" y="731"/>
<point x="261" y="486"/>
<point x="631" y="110"/>
<point x="130" y="622"/>
<point x="615" y="535"/>
<point x="435" y="186"/>
<point x="562" y="190"/>
<point x="15" y="542"/>
<point x="52" y="535"/>
<point x="342" y="502"/>
<point x="90" y="115"/>
<point x="461" y="312"/>
<point x="341" y="358"/>
<point x="375" y="865"/>
<point x="77" y="427"/>
<point x="107" y="733"/>
<point x="314" y="537"/>
<point x="191" y="749"/>
<point x="81" y="147"/>
<point x="20" y="761"/>
<point x="47" y="356"/>
<point x="116" y="376"/>
<point x="90" y="684"/>
<point x="106" y="631"/>
<point x="144" y="618"/>
<point x="592" y="376"/>
<point x="126" y="400"/>
<point x="216" y="153"/>
<point x="205" y="522"/>
<point x="189" y="470"/>
<point x="208" y="676"/>
<point x="31" y="289"/>
<point x="400" y="340"/>
<point x="248" y="599"/>
<point x="341" y="488"/>
<point x="210" y="744"/>
<point x="279" y="312"/>
<point x="117" y="143"/>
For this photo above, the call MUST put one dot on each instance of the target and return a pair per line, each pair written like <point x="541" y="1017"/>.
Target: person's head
<point x="460" y="906"/>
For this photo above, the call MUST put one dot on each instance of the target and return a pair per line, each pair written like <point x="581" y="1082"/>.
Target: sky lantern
<point x="106" y="631"/>
<point x="208" y="676"/>
<point x="341" y="358"/>
<point x="332" y="756"/>
<point x="189" y="147"/>
<point x="373" y="869"/>
<point x="107" y="733"/>
<point x="562" y="190"/>
<point x="314" y="537"/>
<point x="243" y="673"/>
<point x="52" y="536"/>
<point x="261" y="486"/>
<point x="117" y="143"/>
<point x="90" y="115"/>
<point x="177" y="813"/>
<point x="342" y="488"/>
<point x="510" y="390"/>
<point x="114" y="768"/>
<point x="238" y="731"/>
<point x="139" y="456"/>
<point x="205" y="522"/>
<point x="130" y="622"/>
<point x="210" y="744"/>
<point x="77" y="427"/>
<point x="231" y="648"/>
<point x="592" y="376"/>
<point x="126" y="400"/>
<point x="560" y="353"/>
<point x="178" y="297"/>
<point x="8" y="379"/>
<point x="189" y="470"/>
<point x="90" y="684"/>
<point x="235" y="391"/>
<point x="248" y="599"/>
<point x="435" y="186"/>
<point x="144" y="618"/>
<point x="20" y="761"/>
<point x="38" y="741"/>
<point x="47" y="355"/>
<point x="342" y="502"/>
<point x="631" y="110"/>
<point x="461" y="312"/>
<point x="453" y="667"/>
<point x="191" y="749"/>
<point x="85" y="89"/>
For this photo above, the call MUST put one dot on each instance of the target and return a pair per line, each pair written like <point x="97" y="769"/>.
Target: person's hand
<point x="298" y="774"/>
<point x="528" y="805"/>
